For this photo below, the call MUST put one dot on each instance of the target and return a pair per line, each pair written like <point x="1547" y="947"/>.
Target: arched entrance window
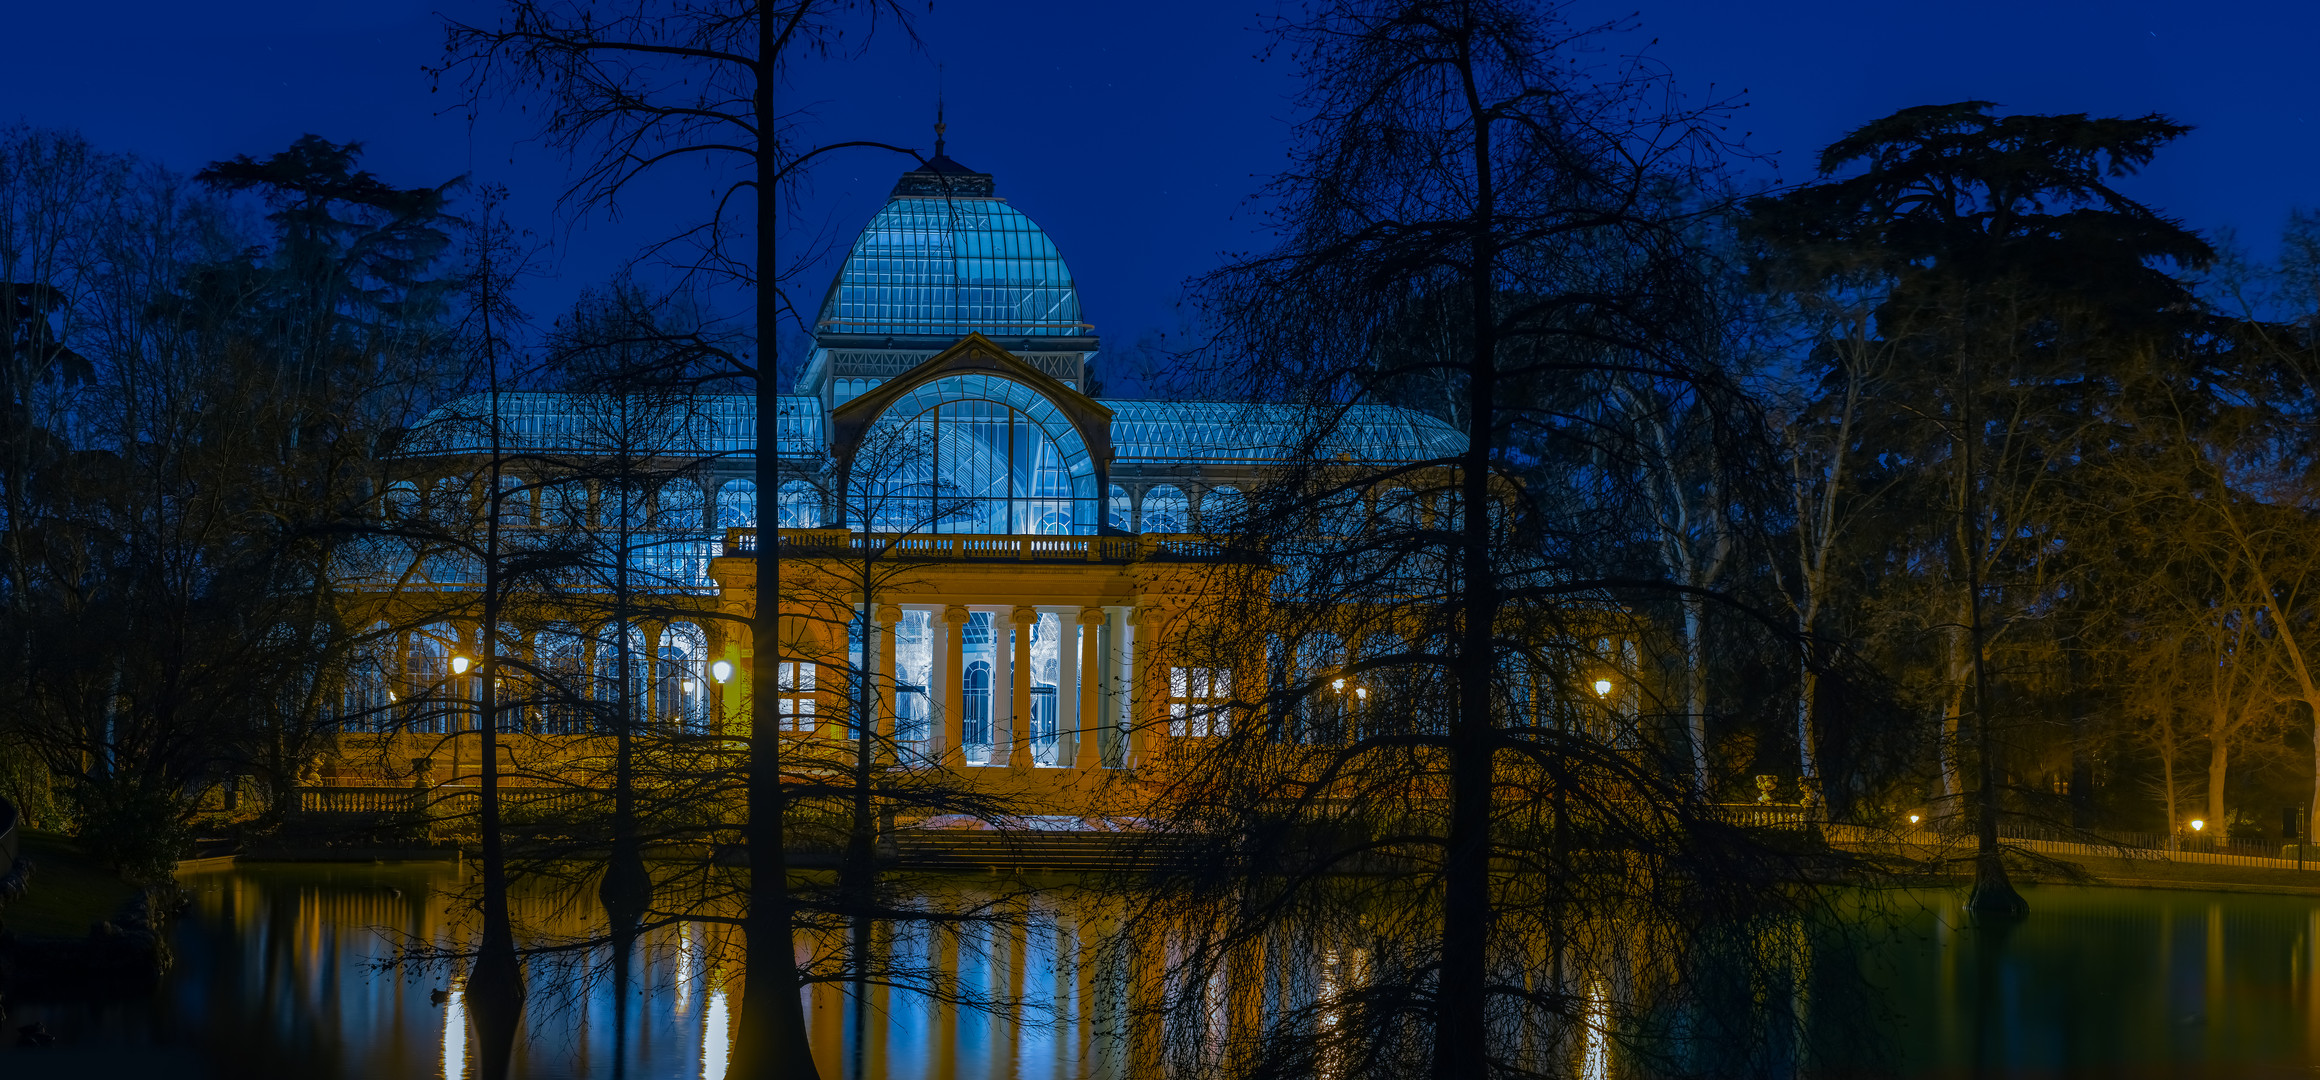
<point x="973" y="454"/>
<point x="1165" y="510"/>
<point x="1122" y="514"/>
<point x="681" y="678"/>
<point x="801" y="505"/>
<point x="433" y="693"/>
<point x="369" y="697"/>
<point x="737" y="505"/>
<point x="975" y="726"/>
<point x="562" y="659"/>
<point x="621" y="687"/>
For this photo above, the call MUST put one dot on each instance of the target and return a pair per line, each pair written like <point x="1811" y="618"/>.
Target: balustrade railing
<point x="829" y="543"/>
<point x="441" y="801"/>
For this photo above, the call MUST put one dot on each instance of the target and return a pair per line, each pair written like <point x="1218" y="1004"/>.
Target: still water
<point x="277" y="974"/>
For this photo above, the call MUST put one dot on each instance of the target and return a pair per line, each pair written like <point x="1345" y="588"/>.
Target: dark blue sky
<point x="1136" y="133"/>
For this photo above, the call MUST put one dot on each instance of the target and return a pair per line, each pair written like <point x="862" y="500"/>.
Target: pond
<point x="277" y="974"/>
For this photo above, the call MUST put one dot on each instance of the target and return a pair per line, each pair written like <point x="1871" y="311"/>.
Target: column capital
<point x="1148" y="615"/>
<point x="1091" y="616"/>
<point x="955" y="614"/>
<point x="1025" y="615"/>
<point x="888" y="614"/>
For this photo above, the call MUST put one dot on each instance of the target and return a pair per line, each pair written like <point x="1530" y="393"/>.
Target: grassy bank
<point x="69" y="891"/>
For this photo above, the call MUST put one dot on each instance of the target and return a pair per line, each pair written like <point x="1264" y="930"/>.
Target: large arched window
<point x="973" y="454"/>
<point x="621" y="673"/>
<point x="975" y="725"/>
<point x="801" y="505"/>
<point x="563" y="692"/>
<point x="1122" y="515"/>
<point x="430" y="690"/>
<point x="1222" y="510"/>
<point x="402" y="500"/>
<point x="369" y="694"/>
<point x="737" y="505"/>
<point x="678" y="505"/>
<point x="1165" y="510"/>
<point x="681" y="678"/>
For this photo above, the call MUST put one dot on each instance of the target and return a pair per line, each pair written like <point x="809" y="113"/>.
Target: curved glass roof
<point x="1235" y="431"/>
<point x="941" y="267"/>
<point x="1149" y="431"/>
<point x="723" y="425"/>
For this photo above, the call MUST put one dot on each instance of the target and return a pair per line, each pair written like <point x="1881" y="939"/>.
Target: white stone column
<point x="950" y="676"/>
<point x="1087" y="692"/>
<point x="1019" y="682"/>
<point x="884" y="626"/>
<point x="1149" y="713"/>
<point x="1067" y="691"/>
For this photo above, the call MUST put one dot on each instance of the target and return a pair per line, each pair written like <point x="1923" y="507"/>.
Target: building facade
<point x="988" y="558"/>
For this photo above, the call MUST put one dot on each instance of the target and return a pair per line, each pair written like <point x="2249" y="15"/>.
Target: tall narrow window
<point x="681" y="678"/>
<point x="562" y="690"/>
<point x="369" y="695"/>
<point x="794" y="695"/>
<point x="1196" y="702"/>
<point x="975" y="726"/>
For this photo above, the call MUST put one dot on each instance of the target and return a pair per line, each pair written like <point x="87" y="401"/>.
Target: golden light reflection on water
<point x="716" y="1031"/>
<point x="455" y="1034"/>
<point x="1595" y="1063"/>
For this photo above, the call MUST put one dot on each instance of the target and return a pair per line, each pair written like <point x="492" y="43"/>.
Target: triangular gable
<point x="975" y="353"/>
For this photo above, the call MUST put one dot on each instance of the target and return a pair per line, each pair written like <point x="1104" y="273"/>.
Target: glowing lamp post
<point x="1602" y="688"/>
<point x="721" y="673"/>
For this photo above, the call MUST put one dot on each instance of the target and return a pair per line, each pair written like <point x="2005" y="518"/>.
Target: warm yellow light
<point x="459" y="665"/>
<point x="1361" y="692"/>
<point x="720" y="671"/>
<point x="2197" y="824"/>
<point x="1913" y="819"/>
<point x="1602" y="688"/>
<point x="1338" y="684"/>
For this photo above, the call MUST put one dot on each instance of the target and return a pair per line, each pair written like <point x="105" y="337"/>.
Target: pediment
<point x="975" y="354"/>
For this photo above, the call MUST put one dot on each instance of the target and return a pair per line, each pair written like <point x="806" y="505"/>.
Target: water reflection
<point x="276" y="975"/>
<point x="455" y="1035"/>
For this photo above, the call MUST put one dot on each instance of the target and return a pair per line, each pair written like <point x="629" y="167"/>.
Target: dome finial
<point x="938" y="111"/>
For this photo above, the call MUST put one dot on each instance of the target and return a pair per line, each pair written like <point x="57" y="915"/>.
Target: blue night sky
<point x="1136" y="134"/>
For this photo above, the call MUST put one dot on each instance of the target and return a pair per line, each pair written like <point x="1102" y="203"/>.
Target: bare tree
<point x="629" y="94"/>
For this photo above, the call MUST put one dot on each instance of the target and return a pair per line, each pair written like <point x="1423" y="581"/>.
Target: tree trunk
<point x="2218" y="768"/>
<point x="1696" y="687"/>
<point x="495" y="988"/>
<point x="772" y="1039"/>
<point x="1461" y="1034"/>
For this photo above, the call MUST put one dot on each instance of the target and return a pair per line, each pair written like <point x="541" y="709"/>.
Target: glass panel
<point x="737" y="505"/>
<point x="947" y="266"/>
<point x="681" y="678"/>
<point x="1165" y="510"/>
<point x="970" y="465"/>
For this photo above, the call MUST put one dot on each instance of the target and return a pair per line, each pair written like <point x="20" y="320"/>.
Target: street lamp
<point x="1602" y="688"/>
<point x="721" y="671"/>
<point x="1913" y="819"/>
<point x="2197" y="824"/>
<point x="459" y="665"/>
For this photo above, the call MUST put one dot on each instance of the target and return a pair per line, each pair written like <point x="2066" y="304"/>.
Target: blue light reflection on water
<point x="275" y="975"/>
<point x="2102" y="982"/>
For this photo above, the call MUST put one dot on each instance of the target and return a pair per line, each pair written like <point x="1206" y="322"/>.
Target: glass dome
<point x="935" y="266"/>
